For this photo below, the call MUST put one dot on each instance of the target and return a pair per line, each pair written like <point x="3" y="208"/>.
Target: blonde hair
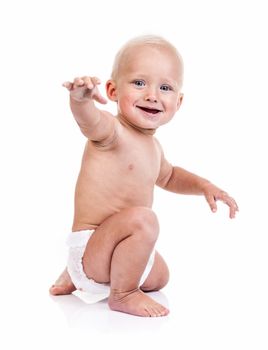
<point x="144" y="40"/>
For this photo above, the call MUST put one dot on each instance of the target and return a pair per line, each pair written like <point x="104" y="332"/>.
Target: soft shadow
<point x="100" y="318"/>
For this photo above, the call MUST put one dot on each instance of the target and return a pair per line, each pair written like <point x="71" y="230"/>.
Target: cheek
<point x="173" y="104"/>
<point x="127" y="101"/>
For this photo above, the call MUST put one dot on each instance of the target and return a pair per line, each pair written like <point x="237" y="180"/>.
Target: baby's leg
<point x="118" y="252"/>
<point x="158" y="276"/>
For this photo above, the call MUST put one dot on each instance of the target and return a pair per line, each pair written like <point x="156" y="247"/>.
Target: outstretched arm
<point x="95" y="124"/>
<point x="179" y="180"/>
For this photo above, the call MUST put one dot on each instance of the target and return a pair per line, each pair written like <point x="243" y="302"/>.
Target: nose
<point x="150" y="96"/>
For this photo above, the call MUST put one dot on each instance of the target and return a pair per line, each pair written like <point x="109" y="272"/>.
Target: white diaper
<point x="87" y="289"/>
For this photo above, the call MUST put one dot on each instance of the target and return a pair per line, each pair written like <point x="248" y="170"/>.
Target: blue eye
<point x="166" y="87"/>
<point x="139" y="83"/>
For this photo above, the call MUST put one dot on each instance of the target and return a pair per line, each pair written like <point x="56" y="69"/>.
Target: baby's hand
<point x="84" y="89"/>
<point x="213" y="193"/>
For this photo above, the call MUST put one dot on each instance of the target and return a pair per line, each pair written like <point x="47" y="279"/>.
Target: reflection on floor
<point x="100" y="318"/>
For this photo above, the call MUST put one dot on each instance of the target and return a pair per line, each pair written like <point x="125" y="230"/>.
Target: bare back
<point x="117" y="176"/>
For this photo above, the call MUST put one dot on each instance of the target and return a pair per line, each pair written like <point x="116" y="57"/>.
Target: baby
<point x="111" y="247"/>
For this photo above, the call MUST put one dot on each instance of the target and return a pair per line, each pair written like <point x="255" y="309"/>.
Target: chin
<point x="147" y="124"/>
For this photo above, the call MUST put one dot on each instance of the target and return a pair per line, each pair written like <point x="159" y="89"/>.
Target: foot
<point x="136" y="303"/>
<point x="63" y="285"/>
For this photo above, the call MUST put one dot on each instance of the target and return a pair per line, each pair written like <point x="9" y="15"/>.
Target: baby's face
<point x="148" y="86"/>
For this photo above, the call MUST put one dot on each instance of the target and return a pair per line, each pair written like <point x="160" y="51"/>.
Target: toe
<point x="148" y="310"/>
<point x="52" y="289"/>
<point x="55" y="290"/>
<point x="61" y="290"/>
<point x="164" y="312"/>
<point x="156" y="312"/>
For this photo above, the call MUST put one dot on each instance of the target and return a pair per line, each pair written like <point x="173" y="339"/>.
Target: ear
<point x="111" y="90"/>
<point x="179" y="101"/>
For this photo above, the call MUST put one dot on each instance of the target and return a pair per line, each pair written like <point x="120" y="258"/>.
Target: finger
<point x="232" y="213"/>
<point x="91" y="82"/>
<point x="78" y="82"/>
<point x="212" y="203"/>
<point x="88" y="82"/>
<point x="96" y="81"/>
<point x="233" y="210"/>
<point x="233" y="207"/>
<point x="99" y="98"/>
<point x="68" y="85"/>
<point x="225" y="198"/>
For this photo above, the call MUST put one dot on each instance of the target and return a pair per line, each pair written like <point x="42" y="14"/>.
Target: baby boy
<point x="114" y="229"/>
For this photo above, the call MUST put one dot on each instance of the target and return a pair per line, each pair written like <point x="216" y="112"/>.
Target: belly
<point x="96" y="202"/>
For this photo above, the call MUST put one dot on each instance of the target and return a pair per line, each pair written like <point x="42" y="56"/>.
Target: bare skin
<point x="112" y="224"/>
<point x="122" y="163"/>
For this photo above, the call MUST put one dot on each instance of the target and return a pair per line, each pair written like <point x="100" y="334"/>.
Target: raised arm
<point x="95" y="124"/>
<point x="179" y="180"/>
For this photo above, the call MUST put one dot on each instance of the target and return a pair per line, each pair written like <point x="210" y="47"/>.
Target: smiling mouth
<point x="150" y="110"/>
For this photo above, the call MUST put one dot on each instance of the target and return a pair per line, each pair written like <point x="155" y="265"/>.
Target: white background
<point x="218" y="288"/>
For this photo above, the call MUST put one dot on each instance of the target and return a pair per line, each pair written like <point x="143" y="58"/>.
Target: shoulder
<point x="112" y="138"/>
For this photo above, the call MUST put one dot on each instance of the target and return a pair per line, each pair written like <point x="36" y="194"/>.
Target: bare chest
<point x="139" y="161"/>
<point x="135" y="161"/>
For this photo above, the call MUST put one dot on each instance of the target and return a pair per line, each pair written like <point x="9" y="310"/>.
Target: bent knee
<point x="156" y="284"/>
<point x="144" y="221"/>
<point x="158" y="277"/>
